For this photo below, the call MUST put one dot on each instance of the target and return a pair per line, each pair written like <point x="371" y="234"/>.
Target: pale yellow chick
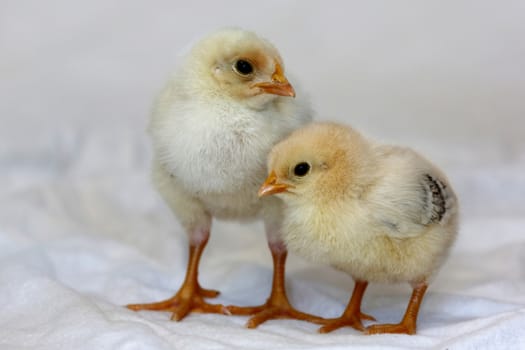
<point x="380" y="213"/>
<point x="212" y="127"/>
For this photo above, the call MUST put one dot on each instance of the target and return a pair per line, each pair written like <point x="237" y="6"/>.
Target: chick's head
<point x="320" y="162"/>
<point x="238" y="64"/>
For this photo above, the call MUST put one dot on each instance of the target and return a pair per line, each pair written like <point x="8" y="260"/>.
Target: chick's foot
<point x="188" y="299"/>
<point x="400" y="328"/>
<point x="408" y="323"/>
<point x="277" y="307"/>
<point x="354" y="321"/>
<point x="352" y="315"/>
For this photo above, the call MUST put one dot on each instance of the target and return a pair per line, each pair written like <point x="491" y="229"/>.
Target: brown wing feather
<point x="434" y="191"/>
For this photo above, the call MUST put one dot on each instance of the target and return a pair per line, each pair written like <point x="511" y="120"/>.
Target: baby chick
<point x="380" y="213"/>
<point x="212" y="128"/>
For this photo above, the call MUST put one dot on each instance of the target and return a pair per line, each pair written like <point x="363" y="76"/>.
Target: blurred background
<point x="446" y="77"/>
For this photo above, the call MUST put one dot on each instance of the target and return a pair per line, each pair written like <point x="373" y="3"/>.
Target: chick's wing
<point x="411" y="194"/>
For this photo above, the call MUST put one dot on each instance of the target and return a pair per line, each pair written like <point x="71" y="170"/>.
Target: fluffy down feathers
<point x="212" y="131"/>
<point x="212" y="128"/>
<point x="380" y="213"/>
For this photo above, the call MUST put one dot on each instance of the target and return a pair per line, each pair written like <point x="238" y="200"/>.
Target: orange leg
<point x="352" y="316"/>
<point x="408" y="323"/>
<point x="277" y="305"/>
<point x="190" y="296"/>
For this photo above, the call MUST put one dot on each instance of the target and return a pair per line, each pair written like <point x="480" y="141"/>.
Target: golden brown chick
<point x="380" y="213"/>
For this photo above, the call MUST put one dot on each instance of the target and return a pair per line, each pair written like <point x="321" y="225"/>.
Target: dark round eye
<point x="301" y="169"/>
<point x="243" y="67"/>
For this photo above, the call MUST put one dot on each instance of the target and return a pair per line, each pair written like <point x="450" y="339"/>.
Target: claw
<point x="208" y="293"/>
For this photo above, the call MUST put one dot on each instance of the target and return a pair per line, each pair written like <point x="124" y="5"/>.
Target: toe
<point x="367" y="317"/>
<point x="208" y="293"/>
<point x="261" y="317"/>
<point x="161" y="305"/>
<point x="301" y="316"/>
<point x="180" y="312"/>
<point x="211" y="309"/>
<point x="244" y="310"/>
<point x="390" y="328"/>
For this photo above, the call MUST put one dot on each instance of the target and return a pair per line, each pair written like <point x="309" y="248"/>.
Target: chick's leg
<point x="352" y="316"/>
<point x="408" y="323"/>
<point x="277" y="305"/>
<point x="190" y="296"/>
<point x="193" y="216"/>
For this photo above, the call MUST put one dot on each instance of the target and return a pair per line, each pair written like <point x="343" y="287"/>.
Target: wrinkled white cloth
<point x="82" y="236"/>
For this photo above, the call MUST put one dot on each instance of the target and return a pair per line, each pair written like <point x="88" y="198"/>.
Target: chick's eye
<point x="301" y="169"/>
<point x="243" y="67"/>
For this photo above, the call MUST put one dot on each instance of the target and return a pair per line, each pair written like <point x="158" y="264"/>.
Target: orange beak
<point x="270" y="186"/>
<point x="279" y="84"/>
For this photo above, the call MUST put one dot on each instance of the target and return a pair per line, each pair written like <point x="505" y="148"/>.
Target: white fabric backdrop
<point x="82" y="232"/>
